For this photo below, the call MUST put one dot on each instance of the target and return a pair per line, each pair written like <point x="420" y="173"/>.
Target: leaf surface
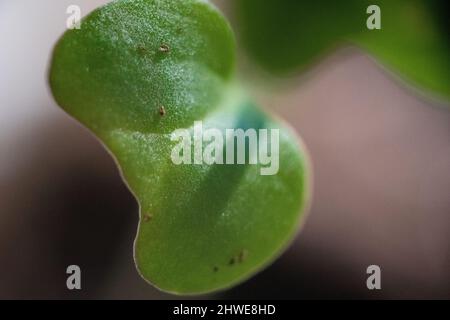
<point x="135" y="72"/>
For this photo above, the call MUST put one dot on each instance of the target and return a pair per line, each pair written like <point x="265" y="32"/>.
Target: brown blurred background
<point x="381" y="159"/>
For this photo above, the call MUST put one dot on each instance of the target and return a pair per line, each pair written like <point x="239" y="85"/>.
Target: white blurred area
<point x="381" y="157"/>
<point x="28" y="30"/>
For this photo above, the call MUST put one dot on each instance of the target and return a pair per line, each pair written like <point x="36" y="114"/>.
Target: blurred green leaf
<point x="286" y="36"/>
<point x="136" y="71"/>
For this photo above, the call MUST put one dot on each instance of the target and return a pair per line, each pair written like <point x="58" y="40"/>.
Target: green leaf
<point x="135" y="72"/>
<point x="286" y="36"/>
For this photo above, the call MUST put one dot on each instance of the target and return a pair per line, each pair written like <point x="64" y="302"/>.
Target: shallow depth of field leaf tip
<point x="413" y="40"/>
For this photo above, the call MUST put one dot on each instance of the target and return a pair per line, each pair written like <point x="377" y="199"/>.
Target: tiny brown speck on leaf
<point x="164" y="48"/>
<point x="239" y="258"/>
<point x="147" y="217"/>
<point x="162" y="111"/>
<point x="242" y="255"/>
<point x="141" y="49"/>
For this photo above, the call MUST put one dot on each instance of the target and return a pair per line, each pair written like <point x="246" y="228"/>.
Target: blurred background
<point x="381" y="157"/>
